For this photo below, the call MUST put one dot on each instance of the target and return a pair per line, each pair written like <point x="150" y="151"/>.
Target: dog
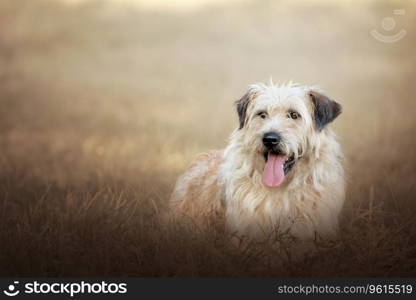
<point x="282" y="169"/>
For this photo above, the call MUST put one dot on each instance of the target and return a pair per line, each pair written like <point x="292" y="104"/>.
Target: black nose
<point x="271" y="139"/>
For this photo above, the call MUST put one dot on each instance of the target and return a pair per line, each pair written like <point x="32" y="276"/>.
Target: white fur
<point x="309" y="201"/>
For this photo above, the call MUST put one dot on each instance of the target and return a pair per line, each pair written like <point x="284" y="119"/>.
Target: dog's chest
<point x="251" y="208"/>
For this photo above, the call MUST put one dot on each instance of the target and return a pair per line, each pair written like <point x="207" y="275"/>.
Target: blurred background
<point x="104" y="103"/>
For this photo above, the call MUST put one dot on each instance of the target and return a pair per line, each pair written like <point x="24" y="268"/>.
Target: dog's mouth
<point x="277" y="166"/>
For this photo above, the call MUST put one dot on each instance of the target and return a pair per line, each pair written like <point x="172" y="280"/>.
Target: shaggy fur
<point x="225" y="188"/>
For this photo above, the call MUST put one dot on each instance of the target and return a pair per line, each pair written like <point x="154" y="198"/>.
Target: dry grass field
<point x="104" y="103"/>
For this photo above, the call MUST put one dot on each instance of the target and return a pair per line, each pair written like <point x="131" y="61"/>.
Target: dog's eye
<point x="262" y="114"/>
<point x="293" y="115"/>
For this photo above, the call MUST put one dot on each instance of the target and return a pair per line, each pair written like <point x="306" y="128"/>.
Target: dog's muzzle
<point x="272" y="142"/>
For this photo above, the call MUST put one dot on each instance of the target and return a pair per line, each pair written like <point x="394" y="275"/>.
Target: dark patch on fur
<point x="325" y="109"/>
<point x="242" y="105"/>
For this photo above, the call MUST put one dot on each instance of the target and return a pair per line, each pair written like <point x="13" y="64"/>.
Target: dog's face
<point x="278" y="125"/>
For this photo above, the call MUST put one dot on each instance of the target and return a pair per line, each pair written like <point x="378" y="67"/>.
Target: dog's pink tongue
<point x="274" y="174"/>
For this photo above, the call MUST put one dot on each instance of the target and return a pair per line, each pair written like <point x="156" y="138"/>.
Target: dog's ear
<point x="242" y="105"/>
<point x="325" y="109"/>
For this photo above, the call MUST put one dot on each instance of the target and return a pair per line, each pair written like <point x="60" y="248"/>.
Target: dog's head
<point x="278" y="125"/>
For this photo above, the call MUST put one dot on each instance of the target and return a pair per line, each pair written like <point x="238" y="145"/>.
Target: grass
<point x="103" y="105"/>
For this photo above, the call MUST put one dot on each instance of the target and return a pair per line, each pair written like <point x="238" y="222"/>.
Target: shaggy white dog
<point x="281" y="171"/>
